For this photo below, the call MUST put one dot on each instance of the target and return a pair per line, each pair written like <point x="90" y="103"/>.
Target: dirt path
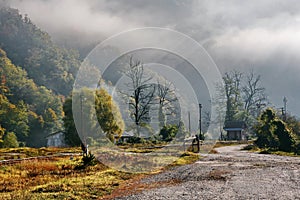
<point x="230" y="174"/>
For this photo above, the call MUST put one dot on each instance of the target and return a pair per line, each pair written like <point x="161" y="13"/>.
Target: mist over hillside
<point x="238" y="35"/>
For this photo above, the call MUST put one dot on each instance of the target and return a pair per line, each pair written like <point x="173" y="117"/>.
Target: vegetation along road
<point x="229" y="174"/>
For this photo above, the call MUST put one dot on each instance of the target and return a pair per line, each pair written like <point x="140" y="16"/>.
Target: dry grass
<point x="51" y="178"/>
<point x="231" y="143"/>
<point x="57" y="178"/>
<point x="254" y="148"/>
<point x="25" y="152"/>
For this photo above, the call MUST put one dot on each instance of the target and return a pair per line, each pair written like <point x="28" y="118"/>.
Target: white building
<point x="56" y="139"/>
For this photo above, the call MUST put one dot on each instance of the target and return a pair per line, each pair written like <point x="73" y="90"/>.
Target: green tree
<point x="294" y="124"/>
<point x="13" y="118"/>
<point x="108" y="115"/>
<point x="26" y="97"/>
<point x="36" y="138"/>
<point x="71" y="135"/>
<point x="273" y="133"/>
<point x="285" y="136"/>
<point x="29" y="47"/>
<point x="87" y="125"/>
<point x="2" y="131"/>
<point x="10" y="140"/>
<point x="265" y="130"/>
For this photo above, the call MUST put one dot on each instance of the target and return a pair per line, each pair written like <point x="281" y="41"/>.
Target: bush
<point x="249" y="147"/>
<point x="87" y="160"/>
<point x="10" y="140"/>
<point x="134" y="140"/>
<point x="168" y="132"/>
<point x="297" y="148"/>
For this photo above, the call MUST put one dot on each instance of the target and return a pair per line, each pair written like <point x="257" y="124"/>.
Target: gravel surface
<point x="230" y="174"/>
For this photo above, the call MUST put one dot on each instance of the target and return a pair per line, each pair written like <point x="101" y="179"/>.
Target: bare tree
<point x="166" y="97"/>
<point x="242" y="96"/>
<point x="253" y="93"/>
<point x="232" y="83"/>
<point x="142" y="93"/>
<point x="219" y="101"/>
<point x="206" y="120"/>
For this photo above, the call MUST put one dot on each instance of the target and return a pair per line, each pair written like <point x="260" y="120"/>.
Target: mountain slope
<point x="32" y="49"/>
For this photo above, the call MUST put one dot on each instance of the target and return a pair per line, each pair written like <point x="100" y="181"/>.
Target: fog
<point x="259" y="35"/>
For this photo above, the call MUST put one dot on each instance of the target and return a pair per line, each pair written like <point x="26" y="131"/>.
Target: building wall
<point x="56" y="140"/>
<point x="234" y="135"/>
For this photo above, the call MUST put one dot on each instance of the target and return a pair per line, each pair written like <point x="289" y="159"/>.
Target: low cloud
<point x="263" y="35"/>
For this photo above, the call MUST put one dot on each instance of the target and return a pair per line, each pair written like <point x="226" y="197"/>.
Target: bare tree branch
<point x="141" y="92"/>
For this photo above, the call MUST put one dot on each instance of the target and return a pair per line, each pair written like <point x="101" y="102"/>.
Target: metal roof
<point x="233" y="129"/>
<point x="235" y="125"/>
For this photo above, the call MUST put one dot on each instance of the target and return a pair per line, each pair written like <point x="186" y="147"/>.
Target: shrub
<point x="87" y="160"/>
<point x="134" y="140"/>
<point x="168" y="132"/>
<point x="10" y="140"/>
<point x="297" y="148"/>
<point x="273" y="133"/>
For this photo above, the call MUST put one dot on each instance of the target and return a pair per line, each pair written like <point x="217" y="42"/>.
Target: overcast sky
<point x="263" y="35"/>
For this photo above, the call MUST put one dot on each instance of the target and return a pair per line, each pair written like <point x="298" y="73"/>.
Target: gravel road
<point x="230" y="174"/>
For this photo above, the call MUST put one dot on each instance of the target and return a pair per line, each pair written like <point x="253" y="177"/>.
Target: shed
<point x="235" y="130"/>
<point x="126" y="135"/>
<point x="56" y="139"/>
<point x="144" y="134"/>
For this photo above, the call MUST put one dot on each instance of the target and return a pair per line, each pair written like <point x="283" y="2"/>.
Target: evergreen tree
<point x="273" y="133"/>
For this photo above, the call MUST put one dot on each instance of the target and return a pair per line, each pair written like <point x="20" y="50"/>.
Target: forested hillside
<point x="32" y="49"/>
<point x="35" y="76"/>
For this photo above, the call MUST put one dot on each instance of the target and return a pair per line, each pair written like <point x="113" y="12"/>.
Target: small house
<point x="56" y="139"/>
<point x="235" y="130"/>
<point x="126" y="136"/>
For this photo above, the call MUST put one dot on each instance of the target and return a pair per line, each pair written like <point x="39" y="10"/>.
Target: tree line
<point x="141" y="96"/>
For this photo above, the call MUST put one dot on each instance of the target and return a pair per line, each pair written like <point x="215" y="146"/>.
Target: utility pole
<point x="81" y="119"/>
<point x="189" y="115"/>
<point x="200" y="122"/>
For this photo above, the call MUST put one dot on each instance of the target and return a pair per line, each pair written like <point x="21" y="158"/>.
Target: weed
<point x="87" y="160"/>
